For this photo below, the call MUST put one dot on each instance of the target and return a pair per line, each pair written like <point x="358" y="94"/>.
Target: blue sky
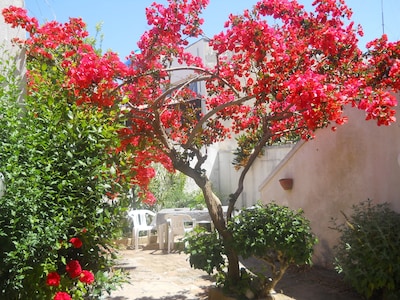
<point x="123" y="21"/>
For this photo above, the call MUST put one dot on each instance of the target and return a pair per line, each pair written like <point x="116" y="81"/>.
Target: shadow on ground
<point x="203" y="295"/>
<point x="308" y="283"/>
<point x="156" y="275"/>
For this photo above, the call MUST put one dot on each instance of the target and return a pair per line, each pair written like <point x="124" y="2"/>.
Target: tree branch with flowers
<point x="291" y="76"/>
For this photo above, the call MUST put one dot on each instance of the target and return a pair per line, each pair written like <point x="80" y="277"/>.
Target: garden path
<point x="156" y="275"/>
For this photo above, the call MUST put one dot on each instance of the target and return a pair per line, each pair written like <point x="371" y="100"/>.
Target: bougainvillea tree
<point x="280" y="70"/>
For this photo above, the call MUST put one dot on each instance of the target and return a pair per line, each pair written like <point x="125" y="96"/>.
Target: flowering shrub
<point x="67" y="283"/>
<point x="57" y="166"/>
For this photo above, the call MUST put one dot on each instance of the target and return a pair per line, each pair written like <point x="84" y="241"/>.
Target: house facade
<point x="335" y="171"/>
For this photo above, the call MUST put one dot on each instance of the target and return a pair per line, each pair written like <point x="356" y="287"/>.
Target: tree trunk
<point x="216" y="212"/>
<point x="277" y="276"/>
<point x="214" y="206"/>
<point x="277" y="271"/>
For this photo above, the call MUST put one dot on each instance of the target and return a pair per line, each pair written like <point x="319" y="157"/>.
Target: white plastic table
<point x="200" y="216"/>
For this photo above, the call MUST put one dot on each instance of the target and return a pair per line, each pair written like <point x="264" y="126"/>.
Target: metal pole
<point x="383" y="20"/>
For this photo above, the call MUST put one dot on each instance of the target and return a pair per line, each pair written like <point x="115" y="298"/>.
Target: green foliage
<point x="273" y="230"/>
<point x="170" y="190"/>
<point x="57" y="166"/>
<point x="205" y="250"/>
<point x="368" y="253"/>
<point x="276" y="234"/>
<point x="246" y="143"/>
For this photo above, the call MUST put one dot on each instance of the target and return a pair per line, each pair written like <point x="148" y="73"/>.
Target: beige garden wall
<point x="359" y="161"/>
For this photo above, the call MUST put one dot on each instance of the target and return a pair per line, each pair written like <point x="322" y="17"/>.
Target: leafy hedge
<point x="57" y="169"/>
<point x="368" y="253"/>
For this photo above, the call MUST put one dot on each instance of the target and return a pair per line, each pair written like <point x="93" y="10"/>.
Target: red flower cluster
<point x="76" y="242"/>
<point x="293" y="76"/>
<point x="74" y="271"/>
<point x="53" y="279"/>
<point x="86" y="277"/>
<point x="62" y="296"/>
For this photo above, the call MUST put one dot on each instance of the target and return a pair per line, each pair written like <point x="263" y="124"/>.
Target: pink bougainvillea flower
<point x="74" y="269"/>
<point x="62" y="296"/>
<point x="76" y="242"/>
<point x="86" y="277"/>
<point x="53" y="279"/>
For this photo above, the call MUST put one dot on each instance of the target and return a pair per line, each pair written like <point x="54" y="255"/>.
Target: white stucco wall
<point x="335" y="171"/>
<point x="225" y="178"/>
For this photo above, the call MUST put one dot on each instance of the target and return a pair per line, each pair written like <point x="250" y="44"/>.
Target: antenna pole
<point x="383" y="20"/>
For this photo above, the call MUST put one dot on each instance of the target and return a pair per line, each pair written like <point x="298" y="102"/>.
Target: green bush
<point x="368" y="253"/>
<point x="57" y="168"/>
<point x="275" y="234"/>
<point x="205" y="250"/>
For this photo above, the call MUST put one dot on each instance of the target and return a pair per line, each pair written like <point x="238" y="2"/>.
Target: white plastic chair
<point x="178" y="225"/>
<point x="141" y="222"/>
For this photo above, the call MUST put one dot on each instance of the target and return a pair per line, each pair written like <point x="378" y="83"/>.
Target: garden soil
<point x="157" y="275"/>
